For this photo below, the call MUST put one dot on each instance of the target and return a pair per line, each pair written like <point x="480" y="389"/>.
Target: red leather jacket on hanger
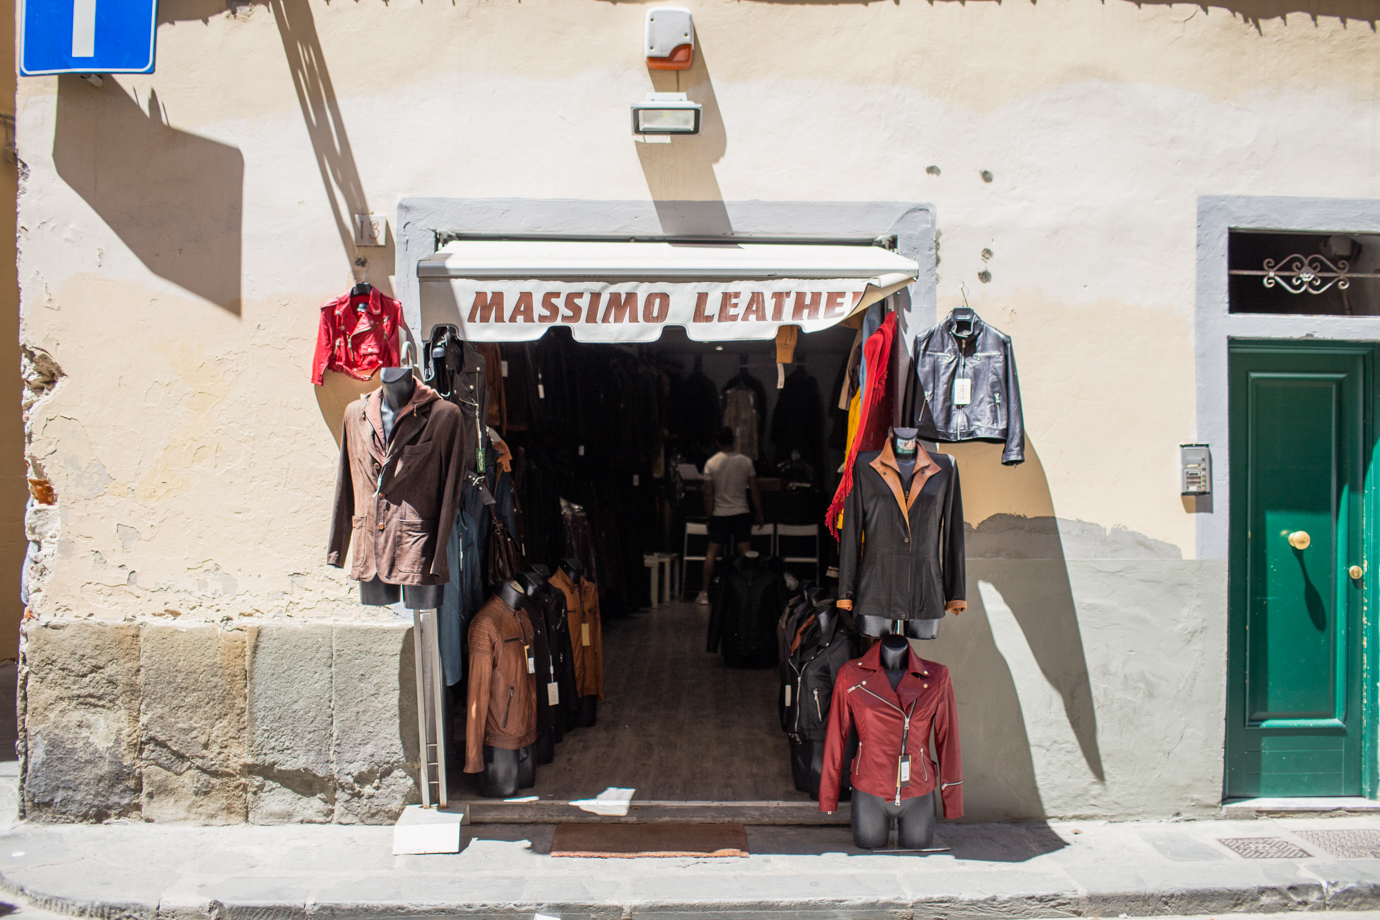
<point x="888" y="722"/>
<point x="357" y="336"/>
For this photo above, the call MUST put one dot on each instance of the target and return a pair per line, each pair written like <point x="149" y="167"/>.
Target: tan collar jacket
<point x="396" y="499"/>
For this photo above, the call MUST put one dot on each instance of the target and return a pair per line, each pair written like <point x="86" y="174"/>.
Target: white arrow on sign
<point x="83" y="28"/>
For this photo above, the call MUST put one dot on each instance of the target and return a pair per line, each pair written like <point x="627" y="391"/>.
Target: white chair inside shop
<point x="700" y="531"/>
<point x="764" y="539"/>
<point x="794" y="540"/>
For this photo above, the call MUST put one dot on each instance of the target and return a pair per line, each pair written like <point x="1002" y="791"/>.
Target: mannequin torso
<point x="398" y="387"/>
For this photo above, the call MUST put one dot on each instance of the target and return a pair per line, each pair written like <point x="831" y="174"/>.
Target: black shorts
<point x="730" y="529"/>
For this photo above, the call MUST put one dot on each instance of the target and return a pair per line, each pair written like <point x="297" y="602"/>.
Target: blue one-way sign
<point x="86" y="36"/>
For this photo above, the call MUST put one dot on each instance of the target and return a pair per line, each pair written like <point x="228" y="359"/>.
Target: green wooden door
<point x="1298" y="434"/>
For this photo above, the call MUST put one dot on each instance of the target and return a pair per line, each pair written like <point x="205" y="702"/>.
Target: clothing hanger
<point x="362" y="289"/>
<point x="964" y="315"/>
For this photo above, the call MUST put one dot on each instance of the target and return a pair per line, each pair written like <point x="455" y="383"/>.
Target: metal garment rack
<point x="431" y="708"/>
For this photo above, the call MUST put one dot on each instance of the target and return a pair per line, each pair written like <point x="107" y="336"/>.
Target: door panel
<point x="1297" y="440"/>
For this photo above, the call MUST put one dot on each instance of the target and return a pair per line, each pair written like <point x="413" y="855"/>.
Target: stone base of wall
<point x="268" y="724"/>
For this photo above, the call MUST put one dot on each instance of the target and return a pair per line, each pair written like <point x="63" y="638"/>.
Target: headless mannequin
<point x="505" y="771"/>
<point x="398" y="387"/>
<point x="873" y="815"/>
<point x="587" y="711"/>
<point x="904" y="445"/>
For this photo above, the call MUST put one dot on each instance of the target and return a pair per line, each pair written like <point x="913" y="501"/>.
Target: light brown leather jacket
<point x="396" y="500"/>
<point x="502" y="700"/>
<point x="586" y="632"/>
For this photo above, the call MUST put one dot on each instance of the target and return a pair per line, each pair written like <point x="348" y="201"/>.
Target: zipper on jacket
<point x="905" y="732"/>
<point x="818" y="713"/>
<point x="507" y="710"/>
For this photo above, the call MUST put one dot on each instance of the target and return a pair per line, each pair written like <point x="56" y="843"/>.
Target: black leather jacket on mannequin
<point x="901" y="552"/>
<point x="987" y="407"/>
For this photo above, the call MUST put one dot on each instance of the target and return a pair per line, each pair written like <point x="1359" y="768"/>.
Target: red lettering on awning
<point x="550" y="306"/>
<point x="488" y="308"/>
<point x="833" y="304"/>
<point x="756" y="309"/>
<point x="701" y="309"/>
<point x="572" y="307"/>
<point x="592" y="311"/>
<point x="778" y="304"/>
<point x="523" y="308"/>
<point x="656" y="307"/>
<point x="806" y="309"/>
<point x="622" y="308"/>
<point x="728" y="301"/>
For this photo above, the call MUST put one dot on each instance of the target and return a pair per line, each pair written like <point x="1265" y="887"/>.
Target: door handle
<point x="1299" y="539"/>
<point x="1356" y="572"/>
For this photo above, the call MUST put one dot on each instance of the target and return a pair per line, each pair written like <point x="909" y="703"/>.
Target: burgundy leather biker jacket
<point x="893" y="725"/>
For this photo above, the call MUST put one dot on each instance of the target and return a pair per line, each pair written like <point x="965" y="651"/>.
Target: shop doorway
<point x="1301" y="444"/>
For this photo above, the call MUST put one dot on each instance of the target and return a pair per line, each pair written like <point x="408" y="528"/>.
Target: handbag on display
<point x="504" y="554"/>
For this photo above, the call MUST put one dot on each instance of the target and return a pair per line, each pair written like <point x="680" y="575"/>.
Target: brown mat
<point x="654" y="839"/>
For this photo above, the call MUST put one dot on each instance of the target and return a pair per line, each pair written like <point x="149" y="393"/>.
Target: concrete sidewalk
<point x="148" y="871"/>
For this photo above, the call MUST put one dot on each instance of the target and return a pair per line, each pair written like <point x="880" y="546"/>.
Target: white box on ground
<point x="428" y="830"/>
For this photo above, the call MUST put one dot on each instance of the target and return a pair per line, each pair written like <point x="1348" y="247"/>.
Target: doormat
<point x="1345" y="844"/>
<point x="626" y="841"/>
<point x="1264" y="848"/>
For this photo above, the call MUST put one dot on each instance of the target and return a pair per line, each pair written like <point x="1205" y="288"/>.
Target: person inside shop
<point x="728" y="478"/>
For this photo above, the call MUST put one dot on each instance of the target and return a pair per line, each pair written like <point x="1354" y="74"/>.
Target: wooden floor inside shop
<point x="675" y="723"/>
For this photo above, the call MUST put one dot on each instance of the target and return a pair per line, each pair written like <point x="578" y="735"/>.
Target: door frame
<point x="1214" y="329"/>
<point x="1369" y="353"/>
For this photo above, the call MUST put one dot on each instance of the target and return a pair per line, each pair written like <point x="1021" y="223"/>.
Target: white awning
<point x="512" y="291"/>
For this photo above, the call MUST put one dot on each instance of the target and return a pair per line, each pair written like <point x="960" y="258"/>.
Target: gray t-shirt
<point x="730" y="472"/>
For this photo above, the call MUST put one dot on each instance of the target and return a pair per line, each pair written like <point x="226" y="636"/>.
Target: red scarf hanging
<point x="874" y="412"/>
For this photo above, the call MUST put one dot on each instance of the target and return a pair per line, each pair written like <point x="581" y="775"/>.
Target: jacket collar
<point x="373" y="304"/>
<point x="951" y="326"/>
<point x="886" y="466"/>
<point x="408" y="416"/>
<point x="914" y="680"/>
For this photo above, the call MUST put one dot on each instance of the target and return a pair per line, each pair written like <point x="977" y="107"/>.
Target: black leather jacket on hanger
<point x="963" y="347"/>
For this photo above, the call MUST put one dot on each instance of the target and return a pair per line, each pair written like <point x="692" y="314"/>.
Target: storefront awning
<point x="513" y="291"/>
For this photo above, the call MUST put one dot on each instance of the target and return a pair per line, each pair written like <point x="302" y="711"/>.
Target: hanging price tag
<point x="963" y="391"/>
<point x="788" y="694"/>
<point x="541" y="391"/>
<point x="531" y="662"/>
<point x="553" y="694"/>
<point x="503" y="366"/>
<point x="903" y="775"/>
<point x="584" y="634"/>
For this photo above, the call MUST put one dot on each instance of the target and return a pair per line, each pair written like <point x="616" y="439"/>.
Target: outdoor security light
<point x="666" y="113"/>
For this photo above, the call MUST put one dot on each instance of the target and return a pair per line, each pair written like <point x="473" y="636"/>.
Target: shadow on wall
<point x="173" y="197"/>
<point x="1252" y="11"/>
<point x="680" y="174"/>
<point x="1013" y="606"/>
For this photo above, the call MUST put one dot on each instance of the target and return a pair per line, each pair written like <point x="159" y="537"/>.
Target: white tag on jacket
<point x="905" y="770"/>
<point x="553" y="694"/>
<point x="503" y="366"/>
<point x="584" y="634"/>
<point x="963" y="391"/>
<point x="788" y="694"/>
<point x="541" y="391"/>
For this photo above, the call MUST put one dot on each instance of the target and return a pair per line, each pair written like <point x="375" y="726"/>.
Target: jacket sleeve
<point x="342" y="520"/>
<point x="477" y="698"/>
<point x="1015" y="422"/>
<point x="850" y="544"/>
<point x="835" y="742"/>
<point x="453" y="483"/>
<point x="324" y="341"/>
<point x="954" y="563"/>
<point x="946" y="746"/>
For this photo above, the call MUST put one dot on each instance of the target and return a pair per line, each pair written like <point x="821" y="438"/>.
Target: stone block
<point x="374" y="702"/>
<point x="289" y="724"/>
<point x="79" y="736"/>
<point x="193" y="724"/>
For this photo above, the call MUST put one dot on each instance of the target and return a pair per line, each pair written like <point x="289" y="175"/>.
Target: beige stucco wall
<point x="178" y="232"/>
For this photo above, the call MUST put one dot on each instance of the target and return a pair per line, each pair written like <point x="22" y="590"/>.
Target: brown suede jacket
<point x="502" y="698"/>
<point x="396" y="500"/>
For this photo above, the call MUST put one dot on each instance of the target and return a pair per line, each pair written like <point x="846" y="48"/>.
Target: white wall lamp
<point x="666" y="113"/>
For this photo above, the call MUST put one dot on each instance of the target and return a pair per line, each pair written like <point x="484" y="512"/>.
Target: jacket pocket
<point x="508" y="710"/>
<point x="414" y="547"/>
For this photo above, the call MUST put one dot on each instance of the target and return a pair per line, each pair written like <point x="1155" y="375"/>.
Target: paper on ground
<point x="612" y="802"/>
